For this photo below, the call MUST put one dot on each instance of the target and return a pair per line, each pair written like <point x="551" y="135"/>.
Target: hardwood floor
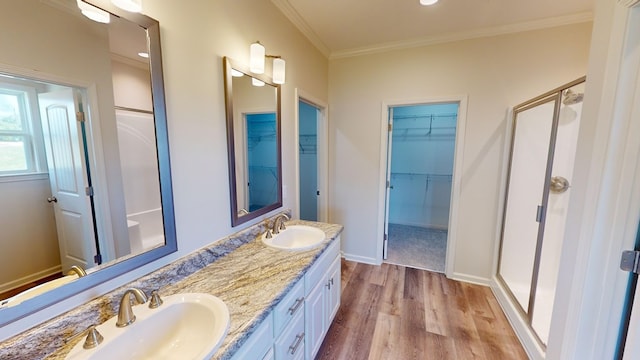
<point x="393" y="312"/>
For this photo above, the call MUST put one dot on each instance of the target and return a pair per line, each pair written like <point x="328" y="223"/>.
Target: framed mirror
<point x="84" y="154"/>
<point x="253" y="140"/>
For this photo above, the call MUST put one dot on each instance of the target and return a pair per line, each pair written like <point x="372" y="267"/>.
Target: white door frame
<point x="456" y="178"/>
<point x="323" y="153"/>
<point x="605" y="206"/>
<point x="94" y="147"/>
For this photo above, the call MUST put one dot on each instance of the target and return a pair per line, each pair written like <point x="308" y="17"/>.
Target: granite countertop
<point x="251" y="281"/>
<point x="250" y="277"/>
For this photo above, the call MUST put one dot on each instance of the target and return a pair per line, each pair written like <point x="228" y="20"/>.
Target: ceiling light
<point x="278" y="70"/>
<point x="256" y="82"/>
<point x="256" y="58"/>
<point x="128" y="5"/>
<point x="428" y="2"/>
<point x="93" y="12"/>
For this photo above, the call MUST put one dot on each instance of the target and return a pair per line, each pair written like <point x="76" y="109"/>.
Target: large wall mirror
<point x="253" y="140"/>
<point x="84" y="155"/>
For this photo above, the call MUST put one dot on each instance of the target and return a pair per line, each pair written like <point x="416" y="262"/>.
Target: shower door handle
<point x="539" y="213"/>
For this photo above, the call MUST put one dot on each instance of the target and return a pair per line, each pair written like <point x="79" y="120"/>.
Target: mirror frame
<point x="228" y="65"/>
<point x="110" y="271"/>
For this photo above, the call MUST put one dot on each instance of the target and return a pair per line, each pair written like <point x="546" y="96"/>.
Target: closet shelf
<point x="443" y="177"/>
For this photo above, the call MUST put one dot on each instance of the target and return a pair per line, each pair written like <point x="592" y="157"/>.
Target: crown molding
<point x="466" y="35"/>
<point x="629" y="3"/>
<point x="285" y="7"/>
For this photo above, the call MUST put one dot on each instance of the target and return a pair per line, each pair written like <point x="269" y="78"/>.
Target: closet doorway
<point x="421" y="149"/>
<point x="311" y="158"/>
<point x="308" y="160"/>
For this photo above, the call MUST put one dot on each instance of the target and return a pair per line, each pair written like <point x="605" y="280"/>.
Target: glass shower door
<point x="556" y="208"/>
<point x="529" y="157"/>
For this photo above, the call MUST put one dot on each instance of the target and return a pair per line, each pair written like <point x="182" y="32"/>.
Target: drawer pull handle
<point x="329" y="283"/>
<point x="296" y="344"/>
<point x="296" y="305"/>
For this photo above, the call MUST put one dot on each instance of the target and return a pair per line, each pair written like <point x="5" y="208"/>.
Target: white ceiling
<point x="341" y="28"/>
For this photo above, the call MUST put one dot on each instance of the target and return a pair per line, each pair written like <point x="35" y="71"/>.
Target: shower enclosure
<point x="544" y="139"/>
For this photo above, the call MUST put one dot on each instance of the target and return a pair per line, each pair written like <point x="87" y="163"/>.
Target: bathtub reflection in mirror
<point x="84" y="164"/>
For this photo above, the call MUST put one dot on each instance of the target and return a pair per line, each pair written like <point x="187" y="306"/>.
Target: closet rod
<point x="420" y="174"/>
<point x="134" y="110"/>
<point x="429" y="116"/>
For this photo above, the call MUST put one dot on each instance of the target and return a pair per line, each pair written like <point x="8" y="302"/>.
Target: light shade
<point x="428" y="2"/>
<point x="278" y="71"/>
<point x="256" y="82"/>
<point x="236" y="73"/>
<point x="93" y="12"/>
<point x="128" y="5"/>
<point x="256" y="58"/>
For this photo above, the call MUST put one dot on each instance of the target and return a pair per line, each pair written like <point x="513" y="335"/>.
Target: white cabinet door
<point x="315" y="320"/>
<point x="333" y="292"/>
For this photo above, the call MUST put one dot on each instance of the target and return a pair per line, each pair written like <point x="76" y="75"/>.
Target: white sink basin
<point x="296" y="237"/>
<point x="185" y="326"/>
<point x="37" y="290"/>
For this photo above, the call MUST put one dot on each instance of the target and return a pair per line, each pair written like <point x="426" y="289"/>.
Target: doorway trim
<point x="323" y="153"/>
<point x="456" y="178"/>
<point x="89" y="95"/>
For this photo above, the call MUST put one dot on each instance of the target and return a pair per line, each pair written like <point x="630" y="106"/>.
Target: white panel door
<point x="68" y="178"/>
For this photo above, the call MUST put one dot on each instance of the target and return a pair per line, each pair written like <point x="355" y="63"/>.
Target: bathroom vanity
<point x="279" y="301"/>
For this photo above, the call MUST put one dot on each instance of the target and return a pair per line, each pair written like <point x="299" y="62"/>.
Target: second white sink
<point x="185" y="326"/>
<point x="296" y="237"/>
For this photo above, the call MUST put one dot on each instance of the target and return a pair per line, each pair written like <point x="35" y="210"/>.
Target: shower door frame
<point x="556" y="96"/>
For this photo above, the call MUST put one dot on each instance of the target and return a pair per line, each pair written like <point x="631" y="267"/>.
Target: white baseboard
<point x="470" y="279"/>
<point x="360" y="259"/>
<point x="518" y="323"/>
<point x="30" y="278"/>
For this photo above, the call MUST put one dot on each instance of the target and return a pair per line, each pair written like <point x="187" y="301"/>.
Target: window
<point x="19" y="133"/>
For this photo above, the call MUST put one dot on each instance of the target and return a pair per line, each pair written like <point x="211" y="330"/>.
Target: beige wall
<point x="28" y="239"/>
<point x="195" y="36"/>
<point x="495" y="73"/>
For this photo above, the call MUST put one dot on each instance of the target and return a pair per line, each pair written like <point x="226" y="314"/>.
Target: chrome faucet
<point x="125" y="313"/>
<point x="77" y="270"/>
<point x="276" y="228"/>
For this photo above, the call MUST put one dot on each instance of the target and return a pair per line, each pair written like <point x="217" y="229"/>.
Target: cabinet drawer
<point x="290" y="306"/>
<point x="290" y="345"/>
<point x="320" y="268"/>
<point x="259" y="343"/>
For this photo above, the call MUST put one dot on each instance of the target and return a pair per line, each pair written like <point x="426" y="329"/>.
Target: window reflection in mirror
<point x="253" y="126"/>
<point x="84" y="167"/>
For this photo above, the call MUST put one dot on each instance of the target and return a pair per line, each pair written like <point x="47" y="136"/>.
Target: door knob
<point x="52" y="199"/>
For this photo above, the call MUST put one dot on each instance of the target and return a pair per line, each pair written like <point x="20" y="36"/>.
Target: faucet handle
<point x="94" y="338"/>
<point x="155" y="301"/>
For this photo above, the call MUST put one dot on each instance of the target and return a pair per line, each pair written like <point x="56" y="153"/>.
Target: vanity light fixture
<point x="93" y="13"/>
<point x="143" y="54"/>
<point x="134" y="6"/>
<point x="256" y="82"/>
<point x="278" y="70"/>
<point x="236" y="73"/>
<point x="428" y="2"/>
<point x="256" y="58"/>
<point x="256" y="62"/>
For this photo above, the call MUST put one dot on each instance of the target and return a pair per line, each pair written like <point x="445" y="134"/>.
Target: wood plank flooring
<point x="393" y="312"/>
